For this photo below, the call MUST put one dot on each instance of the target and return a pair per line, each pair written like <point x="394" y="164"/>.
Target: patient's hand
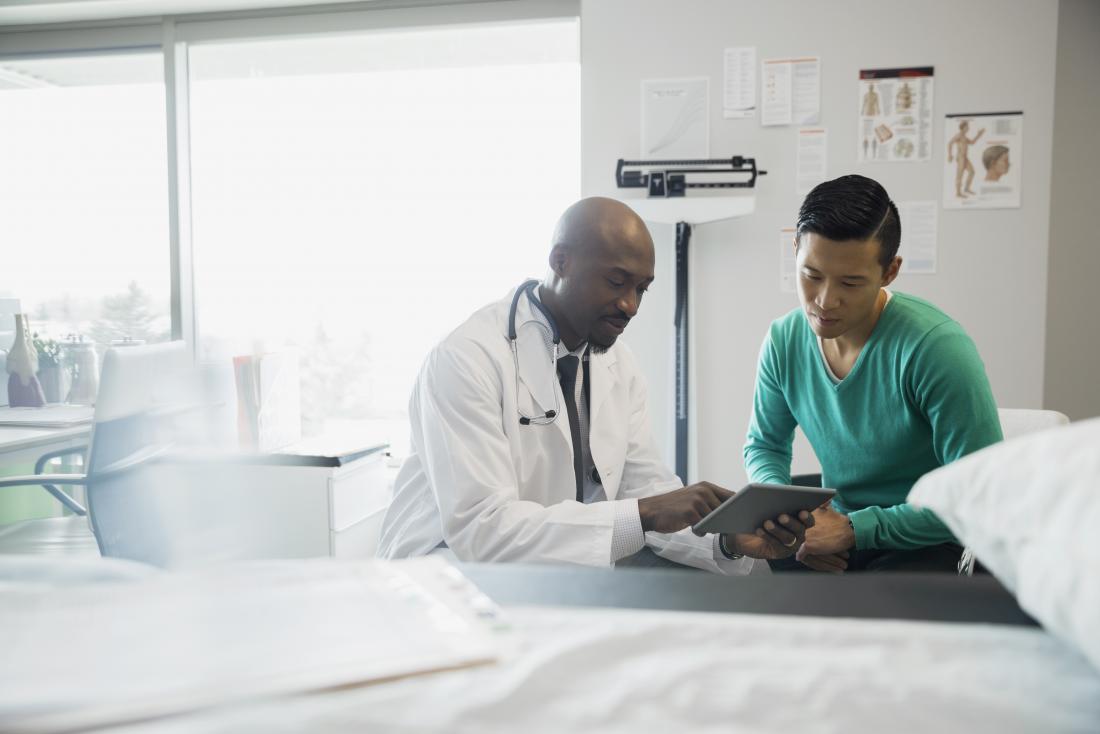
<point x="831" y="534"/>
<point x="832" y="563"/>
<point x="776" y="539"/>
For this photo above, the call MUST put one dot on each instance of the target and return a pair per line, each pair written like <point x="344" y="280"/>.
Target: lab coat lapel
<point x="603" y="376"/>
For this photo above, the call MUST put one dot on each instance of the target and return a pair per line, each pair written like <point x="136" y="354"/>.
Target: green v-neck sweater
<point x="917" y="398"/>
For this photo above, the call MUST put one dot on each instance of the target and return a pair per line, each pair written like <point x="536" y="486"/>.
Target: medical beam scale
<point x="674" y="178"/>
<point x="667" y="183"/>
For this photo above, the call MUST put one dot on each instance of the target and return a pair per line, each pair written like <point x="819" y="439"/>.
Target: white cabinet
<point x="196" y="509"/>
<point x="358" y="496"/>
<point x="295" y="506"/>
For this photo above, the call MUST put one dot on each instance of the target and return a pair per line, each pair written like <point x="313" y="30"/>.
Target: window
<point x="83" y="197"/>
<point x="357" y="196"/>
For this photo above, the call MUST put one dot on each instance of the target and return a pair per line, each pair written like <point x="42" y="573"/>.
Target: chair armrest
<point x="47" y="481"/>
<point x="51" y="488"/>
<point x="32" y="479"/>
<point x="41" y="463"/>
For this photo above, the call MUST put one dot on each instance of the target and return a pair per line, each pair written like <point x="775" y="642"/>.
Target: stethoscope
<point x="549" y="416"/>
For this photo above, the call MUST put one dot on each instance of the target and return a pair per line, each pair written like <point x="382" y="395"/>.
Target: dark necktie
<point x="567" y="375"/>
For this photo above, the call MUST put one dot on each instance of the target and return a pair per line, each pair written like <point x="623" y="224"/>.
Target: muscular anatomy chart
<point x="983" y="158"/>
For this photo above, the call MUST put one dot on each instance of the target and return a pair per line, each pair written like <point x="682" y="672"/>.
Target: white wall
<point x="989" y="55"/>
<point x="1073" y="331"/>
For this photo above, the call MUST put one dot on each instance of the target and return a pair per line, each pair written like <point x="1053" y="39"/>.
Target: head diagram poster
<point x="983" y="157"/>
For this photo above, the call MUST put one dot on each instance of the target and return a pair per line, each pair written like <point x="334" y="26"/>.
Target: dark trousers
<point x="943" y="558"/>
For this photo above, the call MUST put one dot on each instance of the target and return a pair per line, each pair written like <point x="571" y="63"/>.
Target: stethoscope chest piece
<point x="527" y="288"/>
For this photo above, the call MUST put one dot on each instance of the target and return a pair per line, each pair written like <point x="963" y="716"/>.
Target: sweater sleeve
<point x="946" y="381"/>
<point x="771" y="429"/>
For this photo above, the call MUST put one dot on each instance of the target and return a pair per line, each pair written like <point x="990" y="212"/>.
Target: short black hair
<point x="852" y="208"/>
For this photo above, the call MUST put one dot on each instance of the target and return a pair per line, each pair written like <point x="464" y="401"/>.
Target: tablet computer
<point x="747" y="510"/>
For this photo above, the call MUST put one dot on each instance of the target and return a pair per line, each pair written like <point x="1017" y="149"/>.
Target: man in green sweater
<point x="885" y="386"/>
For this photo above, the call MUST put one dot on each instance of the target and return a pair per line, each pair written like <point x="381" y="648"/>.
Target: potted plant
<point x="51" y="374"/>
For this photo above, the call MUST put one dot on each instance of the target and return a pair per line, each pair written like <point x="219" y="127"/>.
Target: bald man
<point x="530" y="435"/>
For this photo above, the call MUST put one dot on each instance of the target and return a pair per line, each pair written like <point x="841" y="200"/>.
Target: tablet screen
<point x="747" y="510"/>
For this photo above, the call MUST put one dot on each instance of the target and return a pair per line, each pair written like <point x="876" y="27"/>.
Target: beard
<point x="596" y="347"/>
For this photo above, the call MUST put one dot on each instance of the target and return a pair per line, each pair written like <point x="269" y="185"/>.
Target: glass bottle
<point x="24" y="389"/>
<point x="86" y="380"/>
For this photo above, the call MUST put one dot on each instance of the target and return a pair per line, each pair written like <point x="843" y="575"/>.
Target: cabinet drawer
<point x="360" y="540"/>
<point x="357" y="491"/>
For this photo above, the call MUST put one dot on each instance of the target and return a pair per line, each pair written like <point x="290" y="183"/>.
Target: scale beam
<point x="666" y="183"/>
<point x="672" y="178"/>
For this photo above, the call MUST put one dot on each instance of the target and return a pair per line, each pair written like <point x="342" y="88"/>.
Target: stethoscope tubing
<point x="528" y="286"/>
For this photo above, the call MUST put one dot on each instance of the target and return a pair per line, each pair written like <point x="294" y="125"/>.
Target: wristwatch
<point x="725" y="551"/>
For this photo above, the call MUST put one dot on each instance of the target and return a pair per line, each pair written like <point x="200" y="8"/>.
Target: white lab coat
<point x="496" y="490"/>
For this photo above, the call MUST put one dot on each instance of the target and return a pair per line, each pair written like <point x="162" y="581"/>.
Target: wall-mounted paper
<point x="984" y="155"/>
<point x="790" y="91"/>
<point x="918" y="237"/>
<point x="895" y="115"/>
<point x="806" y="91"/>
<point x="675" y="114"/>
<point x="775" y="92"/>
<point x="739" y="93"/>
<point x="786" y="260"/>
<point x="811" y="159"/>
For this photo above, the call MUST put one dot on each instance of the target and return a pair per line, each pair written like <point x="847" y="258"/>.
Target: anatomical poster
<point x="895" y="115"/>
<point x="983" y="158"/>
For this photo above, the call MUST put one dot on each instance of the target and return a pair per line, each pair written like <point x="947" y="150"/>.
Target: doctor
<point x="530" y="434"/>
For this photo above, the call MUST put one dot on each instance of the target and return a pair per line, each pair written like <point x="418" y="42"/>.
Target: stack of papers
<point x="103" y="654"/>
<point x="50" y="416"/>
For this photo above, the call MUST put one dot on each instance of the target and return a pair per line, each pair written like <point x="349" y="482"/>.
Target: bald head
<point x="598" y="222"/>
<point x="601" y="263"/>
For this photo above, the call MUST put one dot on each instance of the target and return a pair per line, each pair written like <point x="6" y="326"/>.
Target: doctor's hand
<point x="778" y="538"/>
<point x="681" y="508"/>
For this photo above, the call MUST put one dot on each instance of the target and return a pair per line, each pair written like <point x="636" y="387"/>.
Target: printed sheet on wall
<point x="983" y="159"/>
<point x="895" y="115"/>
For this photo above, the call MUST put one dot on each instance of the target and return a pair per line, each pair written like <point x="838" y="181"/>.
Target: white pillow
<point x="1029" y="508"/>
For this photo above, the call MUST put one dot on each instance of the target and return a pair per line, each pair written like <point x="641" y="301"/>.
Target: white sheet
<point x="633" y="671"/>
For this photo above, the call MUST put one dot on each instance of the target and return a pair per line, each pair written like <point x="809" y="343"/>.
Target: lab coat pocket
<point x="543" y="461"/>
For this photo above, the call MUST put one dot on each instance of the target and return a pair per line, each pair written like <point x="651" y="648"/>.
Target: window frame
<point x="174" y="35"/>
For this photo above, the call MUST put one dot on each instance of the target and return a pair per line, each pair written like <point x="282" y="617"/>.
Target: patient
<point x="885" y="386"/>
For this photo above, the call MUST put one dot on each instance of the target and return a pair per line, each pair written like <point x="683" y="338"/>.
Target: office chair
<point x="138" y="388"/>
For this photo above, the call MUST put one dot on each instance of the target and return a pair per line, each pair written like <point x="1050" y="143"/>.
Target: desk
<point x="17" y="443"/>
